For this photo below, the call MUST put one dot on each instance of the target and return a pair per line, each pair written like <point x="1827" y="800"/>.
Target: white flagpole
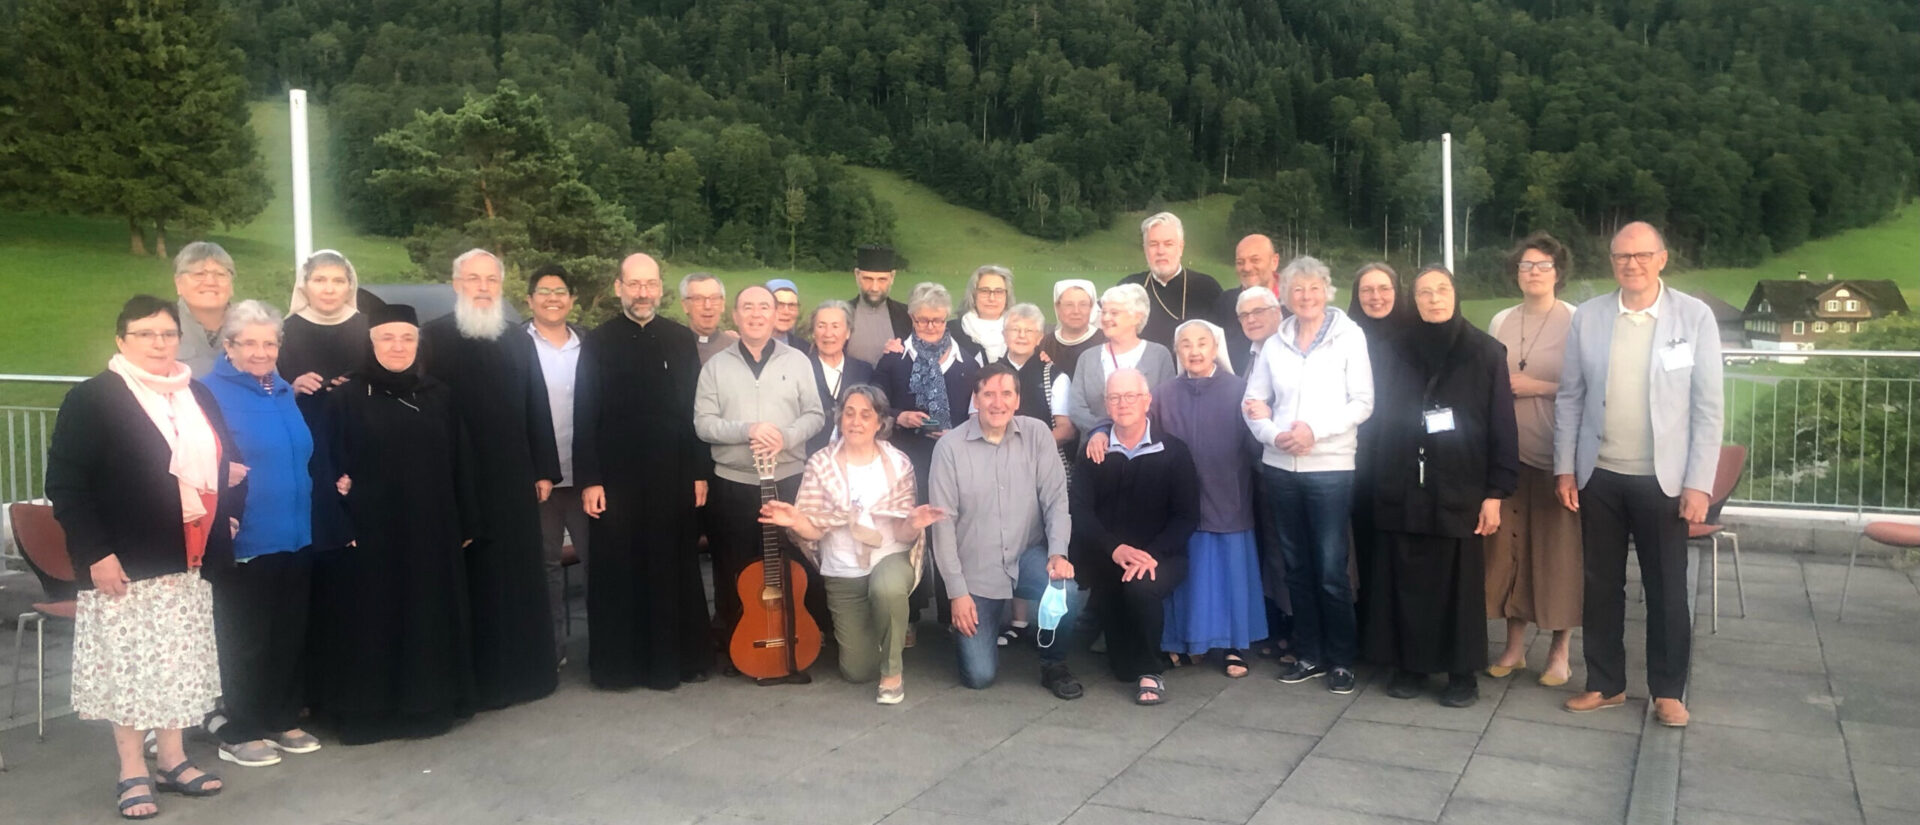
<point x="302" y="183"/>
<point x="1446" y="196"/>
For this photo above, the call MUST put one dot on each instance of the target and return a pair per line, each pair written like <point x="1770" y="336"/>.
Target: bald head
<point x="1639" y="255"/>
<point x="1255" y="260"/>
<point x="639" y="287"/>
<point x="753" y="310"/>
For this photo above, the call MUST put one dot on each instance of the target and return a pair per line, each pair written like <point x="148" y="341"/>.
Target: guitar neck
<point x="772" y="571"/>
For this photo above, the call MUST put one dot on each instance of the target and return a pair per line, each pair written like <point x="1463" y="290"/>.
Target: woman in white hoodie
<point x="1306" y="396"/>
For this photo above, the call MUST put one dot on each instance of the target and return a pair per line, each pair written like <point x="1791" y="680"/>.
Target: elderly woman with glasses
<point x="139" y="471"/>
<point x="203" y="275"/>
<point x="980" y="329"/>
<point x="1123" y="315"/>
<point x="260" y="604"/>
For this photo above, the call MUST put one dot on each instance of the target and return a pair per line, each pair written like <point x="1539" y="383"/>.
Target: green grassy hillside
<point x="62" y="278"/>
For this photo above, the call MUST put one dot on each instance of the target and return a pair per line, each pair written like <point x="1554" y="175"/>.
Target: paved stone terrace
<point x="1797" y="718"/>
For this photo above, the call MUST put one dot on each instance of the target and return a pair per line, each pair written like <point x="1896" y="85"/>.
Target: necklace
<point x="1526" y="348"/>
<point x="1152" y="282"/>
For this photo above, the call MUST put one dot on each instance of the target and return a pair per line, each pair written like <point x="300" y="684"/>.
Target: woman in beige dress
<point x="1533" y="562"/>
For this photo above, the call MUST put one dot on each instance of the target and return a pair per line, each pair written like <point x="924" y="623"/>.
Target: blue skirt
<point x="1220" y="605"/>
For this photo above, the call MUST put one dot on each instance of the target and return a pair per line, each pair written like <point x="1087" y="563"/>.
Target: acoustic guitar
<point x="775" y="641"/>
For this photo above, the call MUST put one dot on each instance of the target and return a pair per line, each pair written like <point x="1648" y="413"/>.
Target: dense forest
<point x="721" y="130"/>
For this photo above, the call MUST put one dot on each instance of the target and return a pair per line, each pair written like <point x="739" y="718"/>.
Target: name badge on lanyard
<point x="1440" y="420"/>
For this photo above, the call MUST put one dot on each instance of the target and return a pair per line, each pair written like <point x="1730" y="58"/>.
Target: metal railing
<point x="1825" y="429"/>
<point x="23" y="461"/>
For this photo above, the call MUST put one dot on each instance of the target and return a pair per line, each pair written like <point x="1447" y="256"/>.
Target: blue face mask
<point x="1053" y="608"/>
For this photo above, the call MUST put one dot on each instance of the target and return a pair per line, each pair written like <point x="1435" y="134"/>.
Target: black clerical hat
<point x="380" y="312"/>
<point x="874" y="258"/>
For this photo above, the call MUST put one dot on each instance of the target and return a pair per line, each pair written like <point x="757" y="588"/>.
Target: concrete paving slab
<point x="1888" y="786"/>
<point x="1780" y="795"/>
<point x="1556" y="790"/>
<point x="1815" y="755"/>
<point x="1550" y="744"/>
<point x="1194" y="791"/>
<point x="1368" y="788"/>
<point x="1882" y="744"/>
<point x="1406" y="746"/>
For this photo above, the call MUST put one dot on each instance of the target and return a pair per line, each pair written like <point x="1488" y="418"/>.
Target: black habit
<point x="1185" y="296"/>
<point x="329" y="351"/>
<point x="391" y="641"/>
<point x="1428" y="610"/>
<point x="503" y="405"/>
<point x="646" y="605"/>
<point x="1152" y="502"/>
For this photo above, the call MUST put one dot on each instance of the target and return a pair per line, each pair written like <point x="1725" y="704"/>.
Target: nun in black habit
<point x="391" y="629"/>
<point x="1446" y="453"/>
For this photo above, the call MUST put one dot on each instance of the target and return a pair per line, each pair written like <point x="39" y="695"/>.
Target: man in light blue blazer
<point x="1636" y="444"/>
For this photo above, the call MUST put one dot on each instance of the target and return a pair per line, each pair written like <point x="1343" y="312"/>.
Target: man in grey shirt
<point x="999" y="480"/>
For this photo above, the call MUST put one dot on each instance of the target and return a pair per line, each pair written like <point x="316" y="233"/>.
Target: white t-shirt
<point x="839" y="552"/>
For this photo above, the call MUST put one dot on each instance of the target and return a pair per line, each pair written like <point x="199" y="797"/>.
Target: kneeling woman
<point x="855" y="518"/>
<point x="391" y="642"/>
<point x="1446" y="456"/>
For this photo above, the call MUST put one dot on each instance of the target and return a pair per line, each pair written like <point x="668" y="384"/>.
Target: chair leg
<point x="40" y="671"/>
<point x="19" y="627"/>
<point x="1716" y="582"/>
<point x="1847" y="582"/>
<point x="1739" y="581"/>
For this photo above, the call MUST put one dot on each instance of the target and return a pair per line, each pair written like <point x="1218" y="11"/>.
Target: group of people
<point x="351" y="516"/>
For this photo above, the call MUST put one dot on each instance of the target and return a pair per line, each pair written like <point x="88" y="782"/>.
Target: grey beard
<point x="474" y="322"/>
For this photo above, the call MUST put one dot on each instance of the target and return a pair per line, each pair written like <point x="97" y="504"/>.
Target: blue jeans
<point x="979" y="654"/>
<point x="1313" y="511"/>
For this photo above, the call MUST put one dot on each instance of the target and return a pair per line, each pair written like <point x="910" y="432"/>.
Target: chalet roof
<point x="1723" y="312"/>
<point x="1794" y="299"/>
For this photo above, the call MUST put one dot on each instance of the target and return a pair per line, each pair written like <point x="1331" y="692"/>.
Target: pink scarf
<point x="168" y="400"/>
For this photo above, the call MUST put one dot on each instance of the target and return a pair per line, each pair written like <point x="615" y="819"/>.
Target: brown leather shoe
<point x="1671" y="712"/>
<point x="1592" y="701"/>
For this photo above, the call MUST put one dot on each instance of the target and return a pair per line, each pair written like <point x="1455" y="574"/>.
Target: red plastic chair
<point x="44" y="547"/>
<point x="1726" y="476"/>
<point x="1889" y="533"/>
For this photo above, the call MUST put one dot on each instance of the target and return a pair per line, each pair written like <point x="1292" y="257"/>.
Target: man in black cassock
<point x="642" y="468"/>
<point x="1175" y="294"/>
<point x="504" y="408"/>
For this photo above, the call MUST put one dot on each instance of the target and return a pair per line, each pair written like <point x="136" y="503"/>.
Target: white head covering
<point x="299" y="305"/>
<point x="1219" y="345"/>
<point x="1093" y="293"/>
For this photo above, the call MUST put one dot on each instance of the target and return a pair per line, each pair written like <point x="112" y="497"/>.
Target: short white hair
<point x="194" y="253"/>
<point x="1027" y="312"/>
<point x="1310" y="268"/>
<point x="697" y="277"/>
<point x="1257" y="295"/>
<point x="845" y="309"/>
<point x="471" y="254"/>
<point x="1157" y="218"/>
<point x="1128" y="298"/>
<point x="930" y="294"/>
<point x="250" y="313"/>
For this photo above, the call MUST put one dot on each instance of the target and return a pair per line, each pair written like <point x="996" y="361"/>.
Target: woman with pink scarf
<point x="138" y="470"/>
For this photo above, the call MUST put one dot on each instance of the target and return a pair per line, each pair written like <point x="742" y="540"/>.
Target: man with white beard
<point x="504" y="409"/>
<point x="1175" y="293"/>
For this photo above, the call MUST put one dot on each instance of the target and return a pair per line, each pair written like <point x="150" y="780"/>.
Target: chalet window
<point x="1766" y="308"/>
<point x="1853" y="306"/>
<point x="1840" y="327"/>
<point x="1799" y="327"/>
<point x="1819" y="326"/>
<point x="1833" y="306"/>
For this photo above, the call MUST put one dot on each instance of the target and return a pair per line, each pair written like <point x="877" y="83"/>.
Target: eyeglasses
<point x="209" y="274"/>
<point x="991" y="292"/>
<point x="929" y="322"/>
<point x="552" y="291"/>
<point x="644" y="286"/>
<point x="1125" y="397"/>
<point x="148" y="336"/>
<point x="1257" y="312"/>
<point x="1641" y="258"/>
<point x="703" y="300"/>
<point x="1536" y="266"/>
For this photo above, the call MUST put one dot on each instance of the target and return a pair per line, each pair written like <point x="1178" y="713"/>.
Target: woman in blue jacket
<point x="260" y="604"/>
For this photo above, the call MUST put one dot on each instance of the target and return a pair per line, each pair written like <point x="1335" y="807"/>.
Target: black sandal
<point x="1155" y="686"/>
<point x="1231" y="660"/>
<point x="170" y="781"/>
<point x="132" y="801"/>
<point x="1176" y="661"/>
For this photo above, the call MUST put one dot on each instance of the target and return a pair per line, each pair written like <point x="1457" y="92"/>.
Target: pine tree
<point x="130" y="108"/>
